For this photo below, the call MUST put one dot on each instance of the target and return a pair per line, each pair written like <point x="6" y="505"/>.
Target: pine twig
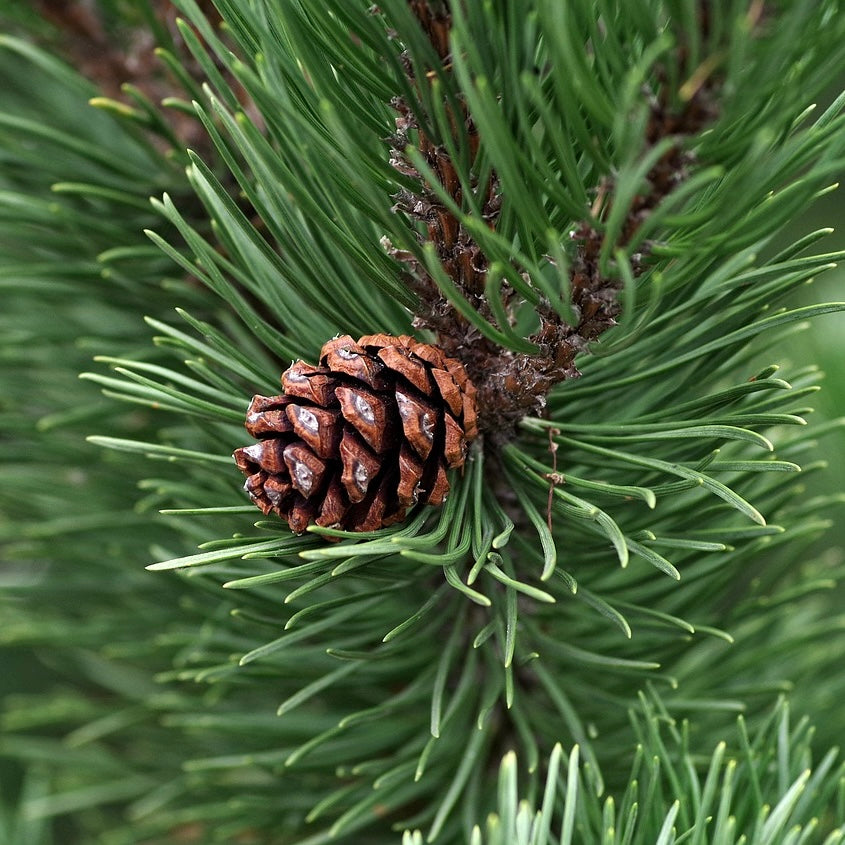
<point x="512" y="385"/>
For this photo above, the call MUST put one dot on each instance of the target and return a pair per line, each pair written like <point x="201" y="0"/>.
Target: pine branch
<point x="515" y="384"/>
<point x="540" y="606"/>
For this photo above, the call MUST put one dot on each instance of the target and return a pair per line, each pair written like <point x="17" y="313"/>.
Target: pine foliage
<point x="594" y="638"/>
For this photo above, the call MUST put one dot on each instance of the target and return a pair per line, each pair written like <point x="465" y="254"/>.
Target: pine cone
<point x="359" y="440"/>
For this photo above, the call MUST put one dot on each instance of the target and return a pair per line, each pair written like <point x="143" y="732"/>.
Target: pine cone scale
<point x="266" y="416"/>
<point x="305" y="469"/>
<point x="370" y="414"/>
<point x="335" y="505"/>
<point x="306" y="382"/>
<point x="437" y="489"/>
<point x="413" y="370"/>
<point x="410" y="477"/>
<point x="449" y="390"/>
<point x="454" y="445"/>
<point x="360" y="467"/>
<point x="418" y="422"/>
<point x="320" y="428"/>
<point x="361" y="438"/>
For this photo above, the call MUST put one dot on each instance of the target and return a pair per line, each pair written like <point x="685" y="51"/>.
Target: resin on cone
<point x="359" y="440"/>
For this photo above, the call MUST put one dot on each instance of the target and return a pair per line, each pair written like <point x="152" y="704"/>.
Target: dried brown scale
<point x="357" y="441"/>
<point x="457" y="251"/>
<point x="460" y="255"/>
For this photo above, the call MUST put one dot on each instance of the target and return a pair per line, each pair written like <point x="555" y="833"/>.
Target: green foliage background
<point x="141" y="706"/>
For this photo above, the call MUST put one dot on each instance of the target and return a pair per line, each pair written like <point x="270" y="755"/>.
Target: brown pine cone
<point x="359" y="440"/>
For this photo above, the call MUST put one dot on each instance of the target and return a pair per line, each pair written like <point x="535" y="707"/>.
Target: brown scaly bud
<point x="357" y="441"/>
